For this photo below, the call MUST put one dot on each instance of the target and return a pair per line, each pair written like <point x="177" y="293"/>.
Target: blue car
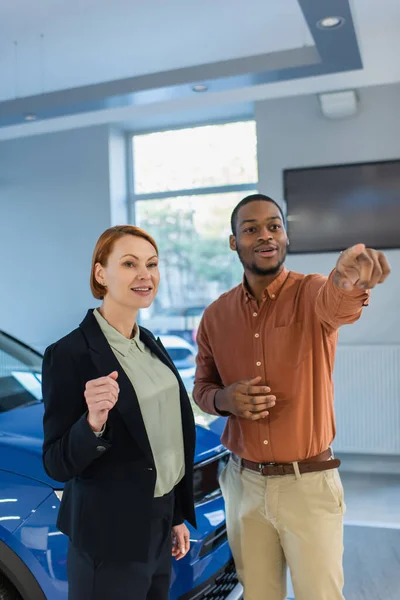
<point x="32" y="550"/>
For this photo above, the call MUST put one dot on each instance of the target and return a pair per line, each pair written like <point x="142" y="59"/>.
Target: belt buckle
<point x="280" y="469"/>
<point x="262" y="465"/>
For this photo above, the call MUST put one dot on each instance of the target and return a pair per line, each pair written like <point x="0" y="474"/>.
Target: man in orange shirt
<point x="265" y="360"/>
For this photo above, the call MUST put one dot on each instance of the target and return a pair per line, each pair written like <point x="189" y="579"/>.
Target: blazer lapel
<point x="105" y="362"/>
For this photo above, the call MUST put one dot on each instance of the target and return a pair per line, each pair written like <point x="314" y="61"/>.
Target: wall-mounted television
<point x="333" y="207"/>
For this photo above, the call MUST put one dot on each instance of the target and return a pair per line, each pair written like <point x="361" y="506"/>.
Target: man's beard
<point x="256" y="270"/>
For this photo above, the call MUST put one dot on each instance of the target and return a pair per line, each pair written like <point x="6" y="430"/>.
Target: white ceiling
<point x="80" y="42"/>
<point x="88" y="41"/>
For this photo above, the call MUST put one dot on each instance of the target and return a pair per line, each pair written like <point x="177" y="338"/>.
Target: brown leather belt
<point x="321" y="462"/>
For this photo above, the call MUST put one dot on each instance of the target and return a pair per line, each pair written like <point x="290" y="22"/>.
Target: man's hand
<point x="180" y="541"/>
<point x="101" y="394"/>
<point x="360" y="267"/>
<point x="246" y="399"/>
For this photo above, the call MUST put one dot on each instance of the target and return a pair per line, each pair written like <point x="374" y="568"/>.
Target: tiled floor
<point x="372" y="500"/>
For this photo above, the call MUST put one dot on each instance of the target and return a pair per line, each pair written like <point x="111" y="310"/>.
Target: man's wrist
<point x="219" y="403"/>
<point x="336" y="278"/>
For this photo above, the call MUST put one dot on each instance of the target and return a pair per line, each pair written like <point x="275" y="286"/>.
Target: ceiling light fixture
<point x="330" y="23"/>
<point x="30" y="117"/>
<point x="200" y="87"/>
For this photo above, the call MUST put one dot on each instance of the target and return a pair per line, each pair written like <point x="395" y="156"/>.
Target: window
<point x="195" y="260"/>
<point x="215" y="155"/>
<point x="20" y="379"/>
<point x="186" y="184"/>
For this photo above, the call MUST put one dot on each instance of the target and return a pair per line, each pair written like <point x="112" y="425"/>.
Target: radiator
<point x="367" y="399"/>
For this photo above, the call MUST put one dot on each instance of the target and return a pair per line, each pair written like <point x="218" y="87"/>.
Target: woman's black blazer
<point x="110" y="481"/>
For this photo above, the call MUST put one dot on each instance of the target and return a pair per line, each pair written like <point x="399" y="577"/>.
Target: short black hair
<point x="247" y="200"/>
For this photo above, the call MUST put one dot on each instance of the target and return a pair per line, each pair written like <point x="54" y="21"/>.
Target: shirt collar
<point x="271" y="290"/>
<point x="117" y="341"/>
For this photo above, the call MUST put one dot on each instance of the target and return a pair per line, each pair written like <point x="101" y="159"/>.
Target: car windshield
<point x="20" y="374"/>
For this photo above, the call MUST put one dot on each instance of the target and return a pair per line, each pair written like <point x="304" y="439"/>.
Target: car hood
<point x="21" y="439"/>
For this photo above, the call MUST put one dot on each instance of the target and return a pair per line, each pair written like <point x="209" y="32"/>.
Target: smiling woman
<point x="119" y="430"/>
<point x="121" y="235"/>
<point x="125" y="274"/>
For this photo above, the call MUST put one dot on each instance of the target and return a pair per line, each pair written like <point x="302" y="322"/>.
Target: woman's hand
<point x="180" y="541"/>
<point x="101" y="395"/>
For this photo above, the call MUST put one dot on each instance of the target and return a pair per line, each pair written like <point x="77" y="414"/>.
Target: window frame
<point x="198" y="191"/>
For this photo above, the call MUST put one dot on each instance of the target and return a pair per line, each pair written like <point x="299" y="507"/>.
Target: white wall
<point x="54" y="203"/>
<point x="293" y="133"/>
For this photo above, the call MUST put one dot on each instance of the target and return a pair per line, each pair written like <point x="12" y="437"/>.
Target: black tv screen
<point x="331" y="208"/>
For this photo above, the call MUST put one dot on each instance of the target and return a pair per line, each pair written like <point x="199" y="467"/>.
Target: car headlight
<point x="59" y="494"/>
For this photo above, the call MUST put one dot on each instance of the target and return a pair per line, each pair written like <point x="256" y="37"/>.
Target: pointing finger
<point x="384" y="266"/>
<point x="352" y="253"/>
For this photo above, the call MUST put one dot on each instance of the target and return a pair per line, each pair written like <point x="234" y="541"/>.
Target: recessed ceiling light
<point x="200" y="87"/>
<point x="30" y="117"/>
<point x="330" y="23"/>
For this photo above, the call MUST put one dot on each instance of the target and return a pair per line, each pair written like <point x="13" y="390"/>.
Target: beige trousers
<point x="289" y="520"/>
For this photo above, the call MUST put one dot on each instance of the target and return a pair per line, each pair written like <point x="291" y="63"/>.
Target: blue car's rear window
<point x="20" y="379"/>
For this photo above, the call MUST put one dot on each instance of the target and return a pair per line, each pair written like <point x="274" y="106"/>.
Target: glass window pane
<point x="196" y="263"/>
<point x="183" y="159"/>
<point x="19" y="375"/>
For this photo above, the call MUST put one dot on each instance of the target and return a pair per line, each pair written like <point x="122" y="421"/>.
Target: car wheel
<point x="7" y="590"/>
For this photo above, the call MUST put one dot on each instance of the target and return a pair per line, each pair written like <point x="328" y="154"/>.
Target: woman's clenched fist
<point x="101" y="394"/>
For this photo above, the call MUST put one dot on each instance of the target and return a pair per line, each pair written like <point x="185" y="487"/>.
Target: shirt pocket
<point x="288" y="346"/>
